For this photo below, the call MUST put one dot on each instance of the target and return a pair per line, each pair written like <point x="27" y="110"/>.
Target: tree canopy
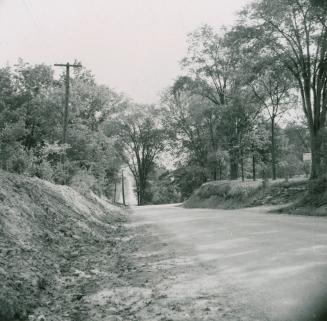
<point x="231" y="113"/>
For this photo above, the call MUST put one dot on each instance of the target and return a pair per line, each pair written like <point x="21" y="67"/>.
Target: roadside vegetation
<point x="249" y="103"/>
<point x="313" y="202"/>
<point x="56" y="247"/>
<point x="238" y="194"/>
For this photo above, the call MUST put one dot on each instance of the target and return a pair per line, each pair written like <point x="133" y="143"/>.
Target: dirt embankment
<point x="313" y="202"/>
<point x="56" y="249"/>
<point x="237" y="194"/>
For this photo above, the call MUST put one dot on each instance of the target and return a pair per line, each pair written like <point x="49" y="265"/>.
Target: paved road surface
<point x="263" y="266"/>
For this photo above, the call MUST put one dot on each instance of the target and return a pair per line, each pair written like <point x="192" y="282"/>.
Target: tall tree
<point x="193" y="121"/>
<point x="31" y="103"/>
<point x="272" y="88"/>
<point x="212" y="67"/>
<point x="295" y="31"/>
<point x="139" y="140"/>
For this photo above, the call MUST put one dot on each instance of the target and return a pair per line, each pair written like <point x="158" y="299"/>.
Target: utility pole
<point x="122" y="186"/>
<point x="65" y="122"/>
<point x="115" y="191"/>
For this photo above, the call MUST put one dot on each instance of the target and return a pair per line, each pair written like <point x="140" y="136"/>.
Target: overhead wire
<point x="36" y="25"/>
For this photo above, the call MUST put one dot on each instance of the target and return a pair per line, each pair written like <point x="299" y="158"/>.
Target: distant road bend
<point x="243" y="264"/>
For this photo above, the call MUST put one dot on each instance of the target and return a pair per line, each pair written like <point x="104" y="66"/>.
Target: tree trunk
<point x="316" y="123"/>
<point x="233" y="170"/>
<point x="242" y="167"/>
<point x="233" y="164"/>
<point x="214" y="173"/>
<point x="273" y="148"/>
<point x="316" y="153"/>
<point x="233" y="167"/>
<point x="141" y="197"/>
<point x="123" y="187"/>
<point x="142" y="188"/>
<point x="220" y="171"/>
<point x="138" y="198"/>
<point x="115" y="192"/>
<point x="253" y="167"/>
<point x="137" y="191"/>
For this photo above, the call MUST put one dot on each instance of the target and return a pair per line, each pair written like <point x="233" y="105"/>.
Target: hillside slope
<point x="237" y="194"/>
<point x="51" y="242"/>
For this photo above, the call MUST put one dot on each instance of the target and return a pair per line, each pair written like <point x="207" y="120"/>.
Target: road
<point x="234" y="264"/>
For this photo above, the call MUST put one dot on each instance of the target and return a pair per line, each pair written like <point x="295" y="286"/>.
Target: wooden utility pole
<point x="253" y="167"/>
<point x="66" y="110"/>
<point x="115" y="191"/>
<point x="122" y="186"/>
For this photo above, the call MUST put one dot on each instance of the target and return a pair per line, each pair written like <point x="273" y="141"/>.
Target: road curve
<point x="263" y="266"/>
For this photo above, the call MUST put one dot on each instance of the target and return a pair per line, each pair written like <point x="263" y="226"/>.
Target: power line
<point x="36" y="25"/>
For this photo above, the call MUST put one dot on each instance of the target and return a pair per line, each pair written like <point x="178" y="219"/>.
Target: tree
<point x="215" y="67"/>
<point x="91" y="152"/>
<point x="193" y="122"/>
<point x="30" y="127"/>
<point x="272" y="89"/>
<point x="92" y="103"/>
<point x="295" y="31"/>
<point x="212" y="68"/>
<point x="34" y="88"/>
<point x="139" y="140"/>
<point x="28" y="114"/>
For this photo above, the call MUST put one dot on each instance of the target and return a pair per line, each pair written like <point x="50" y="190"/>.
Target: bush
<point x="165" y="194"/>
<point x="43" y="170"/>
<point x="19" y="160"/>
<point x="83" y="182"/>
<point x="62" y="173"/>
<point x="228" y="189"/>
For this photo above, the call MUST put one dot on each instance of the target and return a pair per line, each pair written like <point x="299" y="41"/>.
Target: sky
<point x="133" y="46"/>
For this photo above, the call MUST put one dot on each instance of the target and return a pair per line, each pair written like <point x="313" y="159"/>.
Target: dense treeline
<point x="106" y="130"/>
<point x="249" y="102"/>
<point x="235" y="110"/>
<point x="31" y="124"/>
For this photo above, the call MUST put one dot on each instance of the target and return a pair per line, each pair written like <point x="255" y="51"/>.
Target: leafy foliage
<point x="139" y="138"/>
<point x="31" y="127"/>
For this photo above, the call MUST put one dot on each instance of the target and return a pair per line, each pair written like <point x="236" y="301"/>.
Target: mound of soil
<point x="55" y="247"/>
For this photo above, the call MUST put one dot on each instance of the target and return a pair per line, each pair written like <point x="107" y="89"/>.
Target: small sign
<point x="307" y="157"/>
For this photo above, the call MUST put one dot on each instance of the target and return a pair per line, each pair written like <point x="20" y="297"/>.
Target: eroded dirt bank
<point x="56" y="247"/>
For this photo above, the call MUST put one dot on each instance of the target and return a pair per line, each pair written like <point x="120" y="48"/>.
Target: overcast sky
<point x="133" y="46"/>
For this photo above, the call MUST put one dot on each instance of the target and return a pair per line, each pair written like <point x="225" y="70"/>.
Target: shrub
<point x="42" y="169"/>
<point x="83" y="182"/>
<point x="18" y="160"/>
<point x="62" y="173"/>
